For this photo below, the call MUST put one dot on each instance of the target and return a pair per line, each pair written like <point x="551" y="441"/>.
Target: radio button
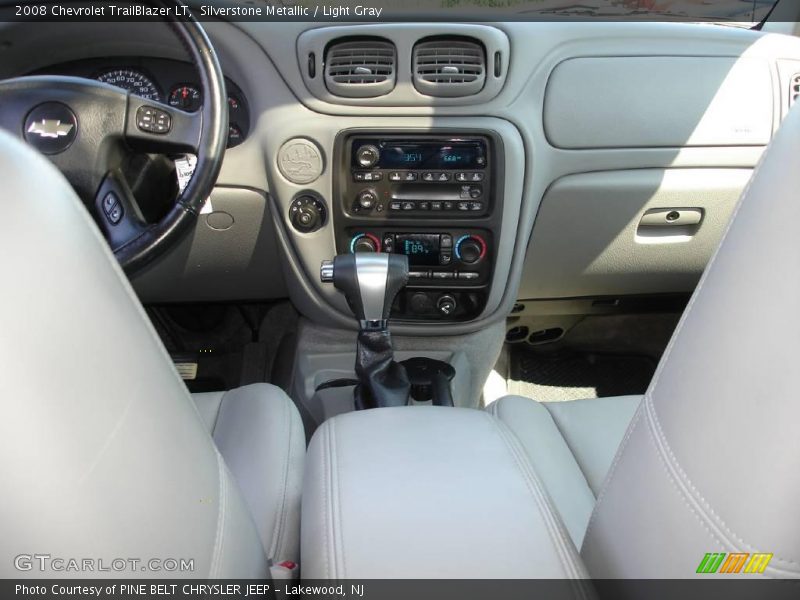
<point x="475" y="192"/>
<point x="418" y="275"/>
<point x="395" y="176"/>
<point x="476" y="176"/>
<point x="408" y="206"/>
<point x="443" y="275"/>
<point x="428" y="176"/>
<point x="468" y="275"/>
<point x="463" y="205"/>
<point x="443" y="177"/>
<point x="447" y="205"/>
<point x="476" y="206"/>
<point x="423" y="205"/>
<point x="462" y="176"/>
<point x="436" y="206"/>
<point x="410" y="176"/>
<point x="395" y="206"/>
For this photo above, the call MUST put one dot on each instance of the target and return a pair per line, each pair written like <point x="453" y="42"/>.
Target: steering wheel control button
<point x="112" y="208"/>
<point x="300" y="161"/>
<point x="307" y="213"/>
<point x="51" y="127"/>
<point x="153" y="120"/>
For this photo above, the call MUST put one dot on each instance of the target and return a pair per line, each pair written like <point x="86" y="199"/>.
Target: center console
<point x="436" y="198"/>
<point x="428" y="492"/>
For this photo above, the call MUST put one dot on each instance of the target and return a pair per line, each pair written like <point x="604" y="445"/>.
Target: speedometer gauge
<point x="135" y="82"/>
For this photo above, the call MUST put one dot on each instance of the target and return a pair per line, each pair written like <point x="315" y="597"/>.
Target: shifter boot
<point x="384" y="382"/>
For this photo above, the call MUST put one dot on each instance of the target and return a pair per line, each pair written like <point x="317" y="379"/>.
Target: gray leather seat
<point x="571" y="445"/>
<point x="104" y="453"/>
<point x="710" y="462"/>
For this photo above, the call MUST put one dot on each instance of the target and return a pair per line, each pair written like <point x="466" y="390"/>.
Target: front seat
<point x="710" y="463"/>
<point x="105" y="456"/>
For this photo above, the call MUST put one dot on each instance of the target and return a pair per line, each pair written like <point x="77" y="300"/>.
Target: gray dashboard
<point x="602" y="124"/>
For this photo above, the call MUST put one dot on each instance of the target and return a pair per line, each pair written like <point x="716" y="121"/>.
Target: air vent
<point x="794" y="89"/>
<point x="360" y="68"/>
<point x="449" y="67"/>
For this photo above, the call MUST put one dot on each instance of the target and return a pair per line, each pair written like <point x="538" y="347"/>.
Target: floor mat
<point x="219" y="347"/>
<point x="558" y="377"/>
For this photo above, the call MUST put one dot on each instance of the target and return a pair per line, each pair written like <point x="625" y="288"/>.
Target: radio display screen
<point x="422" y="249"/>
<point x="431" y="155"/>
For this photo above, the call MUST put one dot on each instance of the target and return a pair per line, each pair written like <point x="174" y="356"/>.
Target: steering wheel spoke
<point x="157" y="127"/>
<point x="117" y="211"/>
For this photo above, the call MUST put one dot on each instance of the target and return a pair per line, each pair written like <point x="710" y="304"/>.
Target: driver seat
<point x="105" y="453"/>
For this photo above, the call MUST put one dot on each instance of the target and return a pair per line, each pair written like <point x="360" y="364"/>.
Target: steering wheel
<point x="87" y="129"/>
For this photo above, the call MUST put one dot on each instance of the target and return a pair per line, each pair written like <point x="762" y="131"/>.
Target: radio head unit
<point x="418" y="176"/>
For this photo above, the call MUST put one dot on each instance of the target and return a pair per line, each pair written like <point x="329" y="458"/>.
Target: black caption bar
<point x="371" y="11"/>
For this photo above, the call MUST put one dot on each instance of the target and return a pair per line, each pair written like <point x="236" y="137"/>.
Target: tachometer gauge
<point x="185" y="97"/>
<point x="135" y="82"/>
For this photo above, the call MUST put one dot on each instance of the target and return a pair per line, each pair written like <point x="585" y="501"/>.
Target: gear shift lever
<point x="370" y="282"/>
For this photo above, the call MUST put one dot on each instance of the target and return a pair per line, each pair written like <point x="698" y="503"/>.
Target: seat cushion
<point x="258" y="432"/>
<point x="571" y="445"/>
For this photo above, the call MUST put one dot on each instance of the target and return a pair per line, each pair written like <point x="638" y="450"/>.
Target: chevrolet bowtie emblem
<point x="50" y="128"/>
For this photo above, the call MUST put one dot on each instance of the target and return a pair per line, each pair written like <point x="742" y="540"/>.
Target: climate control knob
<point x="367" y="156"/>
<point x="364" y="242"/>
<point x="470" y="249"/>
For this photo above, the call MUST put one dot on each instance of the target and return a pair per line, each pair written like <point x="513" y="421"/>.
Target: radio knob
<point x="470" y="249"/>
<point x="367" y="199"/>
<point x="368" y="156"/>
<point x="364" y="242"/>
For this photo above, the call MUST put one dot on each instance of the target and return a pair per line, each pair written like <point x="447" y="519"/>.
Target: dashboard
<point x="172" y="82"/>
<point x="587" y="169"/>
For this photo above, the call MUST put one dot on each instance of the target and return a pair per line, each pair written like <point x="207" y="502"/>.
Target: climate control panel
<point x="449" y="271"/>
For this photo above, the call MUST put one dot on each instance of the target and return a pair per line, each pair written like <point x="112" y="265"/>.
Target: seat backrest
<point x="102" y="453"/>
<point x="711" y="461"/>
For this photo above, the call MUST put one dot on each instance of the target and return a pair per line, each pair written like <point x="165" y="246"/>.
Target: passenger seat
<point x="571" y="445"/>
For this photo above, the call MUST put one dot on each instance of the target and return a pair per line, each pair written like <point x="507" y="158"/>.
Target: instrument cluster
<point x="161" y="80"/>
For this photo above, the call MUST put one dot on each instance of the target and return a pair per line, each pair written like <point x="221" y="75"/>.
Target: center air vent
<point x="360" y="68"/>
<point x="449" y="67"/>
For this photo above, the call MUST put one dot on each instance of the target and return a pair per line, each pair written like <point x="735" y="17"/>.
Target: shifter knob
<point x="370" y="283"/>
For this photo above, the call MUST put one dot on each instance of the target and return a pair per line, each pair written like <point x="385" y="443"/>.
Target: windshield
<point x="745" y="13"/>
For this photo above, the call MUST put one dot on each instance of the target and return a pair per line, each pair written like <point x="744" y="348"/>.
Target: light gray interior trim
<point x="237" y="259"/>
<point x="591" y="236"/>
<point x="650" y="104"/>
